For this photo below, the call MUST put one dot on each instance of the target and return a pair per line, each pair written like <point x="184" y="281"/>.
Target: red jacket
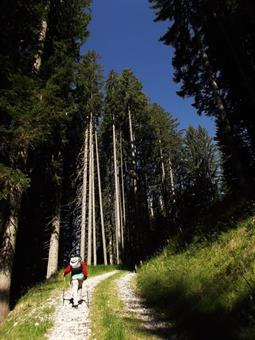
<point x="84" y="269"/>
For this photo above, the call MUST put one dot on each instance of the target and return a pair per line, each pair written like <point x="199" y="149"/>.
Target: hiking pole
<point x="64" y="290"/>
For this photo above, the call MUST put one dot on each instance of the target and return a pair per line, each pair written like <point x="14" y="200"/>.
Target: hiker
<point x="79" y="274"/>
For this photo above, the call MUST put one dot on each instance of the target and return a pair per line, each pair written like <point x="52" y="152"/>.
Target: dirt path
<point x="70" y="323"/>
<point x="150" y="321"/>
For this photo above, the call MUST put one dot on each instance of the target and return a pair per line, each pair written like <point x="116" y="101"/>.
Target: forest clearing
<point x="96" y="174"/>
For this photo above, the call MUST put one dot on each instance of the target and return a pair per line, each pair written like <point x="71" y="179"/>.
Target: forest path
<point x="151" y="322"/>
<point x="70" y="323"/>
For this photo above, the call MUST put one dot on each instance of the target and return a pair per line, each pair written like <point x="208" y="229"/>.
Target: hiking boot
<point x="75" y="306"/>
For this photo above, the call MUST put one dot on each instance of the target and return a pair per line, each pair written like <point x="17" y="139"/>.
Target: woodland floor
<point x="74" y="324"/>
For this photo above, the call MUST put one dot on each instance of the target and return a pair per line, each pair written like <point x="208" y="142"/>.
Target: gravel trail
<point x="150" y="321"/>
<point x="70" y="323"/>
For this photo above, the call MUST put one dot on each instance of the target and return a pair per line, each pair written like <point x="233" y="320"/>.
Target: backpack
<point x="75" y="264"/>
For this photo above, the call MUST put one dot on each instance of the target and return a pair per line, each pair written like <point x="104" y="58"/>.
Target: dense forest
<point x="90" y="165"/>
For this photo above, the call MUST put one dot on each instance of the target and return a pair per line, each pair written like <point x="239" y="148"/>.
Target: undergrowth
<point x="208" y="289"/>
<point x="32" y="316"/>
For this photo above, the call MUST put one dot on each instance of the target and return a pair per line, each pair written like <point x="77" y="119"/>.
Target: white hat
<point x="75" y="261"/>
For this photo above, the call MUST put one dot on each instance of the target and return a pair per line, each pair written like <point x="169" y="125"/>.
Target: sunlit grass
<point x="210" y="285"/>
<point x="109" y="319"/>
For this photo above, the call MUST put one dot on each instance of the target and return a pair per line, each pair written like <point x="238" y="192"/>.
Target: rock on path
<point x="150" y="321"/>
<point x="70" y="323"/>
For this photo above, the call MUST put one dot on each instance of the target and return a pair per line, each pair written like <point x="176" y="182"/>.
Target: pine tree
<point x="200" y="32"/>
<point x="36" y="75"/>
<point x="200" y="186"/>
<point x="21" y="123"/>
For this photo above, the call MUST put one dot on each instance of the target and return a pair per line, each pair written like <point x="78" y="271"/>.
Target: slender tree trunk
<point x="94" y="209"/>
<point x="110" y="250"/>
<point x="132" y="148"/>
<point x="123" y="195"/>
<point x="163" y="199"/>
<point x="90" y="194"/>
<point x="121" y="217"/>
<point x="100" y="202"/>
<point x="172" y="180"/>
<point x="163" y="177"/>
<point x="54" y="242"/>
<point x="84" y="195"/>
<point x="150" y="205"/>
<point x="117" y="205"/>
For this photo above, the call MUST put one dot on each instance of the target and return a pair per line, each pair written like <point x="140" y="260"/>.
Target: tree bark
<point x="117" y="205"/>
<point x="54" y="243"/>
<point x="172" y="181"/>
<point x="84" y="195"/>
<point x="90" y="194"/>
<point x="111" y="250"/>
<point x="132" y="148"/>
<point x="94" y="210"/>
<point x="7" y="251"/>
<point x="123" y="205"/>
<point x="100" y="202"/>
<point x="163" y="177"/>
<point x="42" y="36"/>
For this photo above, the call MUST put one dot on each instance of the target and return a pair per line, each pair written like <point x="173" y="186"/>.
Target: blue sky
<point x="124" y="35"/>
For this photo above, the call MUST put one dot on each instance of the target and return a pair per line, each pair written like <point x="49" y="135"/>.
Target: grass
<point x="31" y="317"/>
<point x="100" y="269"/>
<point x="108" y="318"/>
<point x="207" y="289"/>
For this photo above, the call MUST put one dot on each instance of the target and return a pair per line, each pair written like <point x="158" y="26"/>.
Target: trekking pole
<point x="64" y="290"/>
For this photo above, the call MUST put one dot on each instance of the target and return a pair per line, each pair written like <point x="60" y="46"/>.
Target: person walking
<point x="79" y="274"/>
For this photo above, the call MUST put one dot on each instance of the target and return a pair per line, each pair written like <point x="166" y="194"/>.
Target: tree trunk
<point x="84" y="195"/>
<point x="121" y="217"/>
<point x="150" y="205"/>
<point x="132" y="149"/>
<point x="90" y="194"/>
<point x="172" y="180"/>
<point x="110" y="250"/>
<point x="100" y="202"/>
<point x="117" y="205"/>
<point x="123" y="205"/>
<point x="162" y="198"/>
<point x="54" y="243"/>
<point x="7" y="251"/>
<point x="94" y="210"/>
<point x="42" y="36"/>
<point x="163" y="177"/>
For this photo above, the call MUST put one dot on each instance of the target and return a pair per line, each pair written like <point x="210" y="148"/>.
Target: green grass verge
<point x="31" y="317"/>
<point x="208" y="290"/>
<point x="108" y="318"/>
